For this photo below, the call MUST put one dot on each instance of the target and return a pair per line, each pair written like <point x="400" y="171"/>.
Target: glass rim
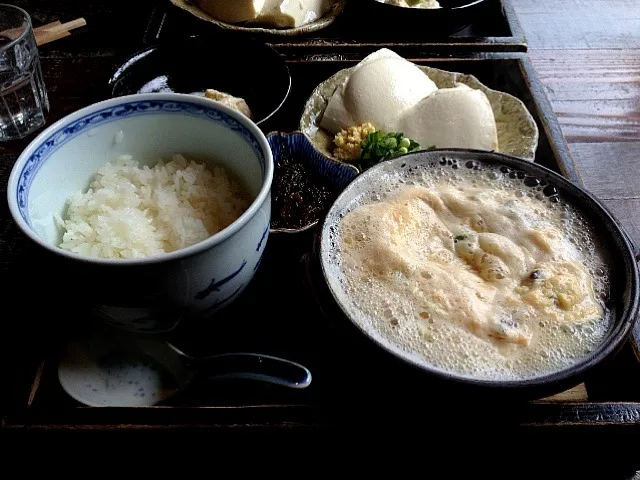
<point x="24" y="32"/>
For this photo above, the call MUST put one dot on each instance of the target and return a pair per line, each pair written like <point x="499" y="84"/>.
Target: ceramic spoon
<point x="251" y="366"/>
<point x="102" y="371"/>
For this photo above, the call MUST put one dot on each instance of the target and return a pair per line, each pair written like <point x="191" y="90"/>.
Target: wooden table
<point x="586" y="52"/>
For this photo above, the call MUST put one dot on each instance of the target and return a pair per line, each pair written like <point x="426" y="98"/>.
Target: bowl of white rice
<point x="154" y="207"/>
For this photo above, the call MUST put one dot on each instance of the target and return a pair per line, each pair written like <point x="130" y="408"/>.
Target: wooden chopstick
<point x="49" y="32"/>
<point x="49" y="25"/>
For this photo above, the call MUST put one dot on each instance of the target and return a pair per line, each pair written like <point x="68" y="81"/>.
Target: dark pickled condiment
<point x="299" y="196"/>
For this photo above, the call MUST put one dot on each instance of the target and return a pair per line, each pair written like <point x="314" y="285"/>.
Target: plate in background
<point x="319" y="24"/>
<point x="453" y="16"/>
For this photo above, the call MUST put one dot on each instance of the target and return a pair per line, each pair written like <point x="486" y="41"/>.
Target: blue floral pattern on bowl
<point x="114" y="113"/>
<point x="296" y="144"/>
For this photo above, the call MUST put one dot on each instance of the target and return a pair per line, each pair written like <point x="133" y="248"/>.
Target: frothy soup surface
<point x="473" y="272"/>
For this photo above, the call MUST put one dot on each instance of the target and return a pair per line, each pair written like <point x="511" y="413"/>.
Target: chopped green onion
<point x="377" y="147"/>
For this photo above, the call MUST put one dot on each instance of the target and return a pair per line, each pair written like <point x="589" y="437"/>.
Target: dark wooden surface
<point x="586" y="53"/>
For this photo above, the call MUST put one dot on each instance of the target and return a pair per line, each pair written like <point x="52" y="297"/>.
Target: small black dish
<point x="453" y="16"/>
<point x="238" y="66"/>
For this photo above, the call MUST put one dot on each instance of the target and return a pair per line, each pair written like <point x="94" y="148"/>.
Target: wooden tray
<point x="497" y="30"/>
<point x="282" y="314"/>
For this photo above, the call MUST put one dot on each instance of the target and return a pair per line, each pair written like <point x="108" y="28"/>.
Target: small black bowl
<point x="453" y="16"/>
<point x="238" y="66"/>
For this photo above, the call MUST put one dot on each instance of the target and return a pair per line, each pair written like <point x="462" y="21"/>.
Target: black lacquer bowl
<point x="453" y="16"/>
<point x="622" y="299"/>
<point x="239" y="66"/>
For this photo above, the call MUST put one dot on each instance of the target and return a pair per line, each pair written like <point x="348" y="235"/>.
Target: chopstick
<point x="49" y="32"/>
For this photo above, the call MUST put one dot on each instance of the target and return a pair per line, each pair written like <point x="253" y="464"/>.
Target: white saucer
<point x="100" y="371"/>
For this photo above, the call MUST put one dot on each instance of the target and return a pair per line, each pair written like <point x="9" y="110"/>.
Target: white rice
<point x="131" y="211"/>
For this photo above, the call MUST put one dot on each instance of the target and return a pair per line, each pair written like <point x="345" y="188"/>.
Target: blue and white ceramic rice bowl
<point x="148" y="293"/>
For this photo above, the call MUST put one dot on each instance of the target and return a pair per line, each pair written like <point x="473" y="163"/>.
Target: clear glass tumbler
<point x="23" y="97"/>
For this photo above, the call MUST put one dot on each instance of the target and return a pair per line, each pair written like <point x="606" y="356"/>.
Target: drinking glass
<point x="23" y="98"/>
